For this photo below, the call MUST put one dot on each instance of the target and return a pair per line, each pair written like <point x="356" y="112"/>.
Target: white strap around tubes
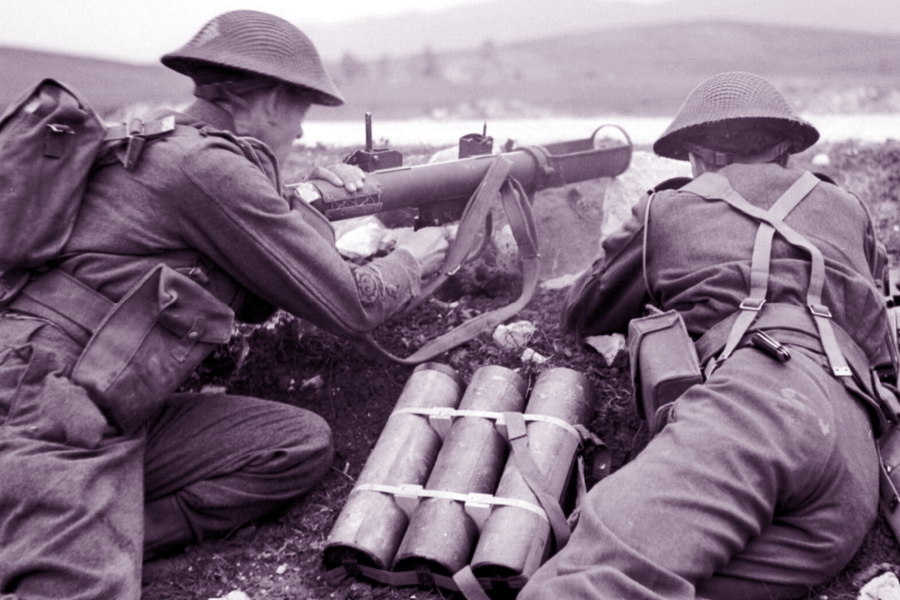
<point x="478" y="506"/>
<point x="441" y="417"/>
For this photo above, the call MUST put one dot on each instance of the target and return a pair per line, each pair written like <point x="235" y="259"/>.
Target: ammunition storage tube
<point x="372" y="523"/>
<point x="441" y="534"/>
<point x="515" y="541"/>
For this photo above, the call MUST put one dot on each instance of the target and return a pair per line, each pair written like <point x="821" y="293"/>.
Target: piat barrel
<point x="606" y="153"/>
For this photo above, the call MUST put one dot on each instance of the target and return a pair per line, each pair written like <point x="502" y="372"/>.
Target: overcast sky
<point x="143" y="30"/>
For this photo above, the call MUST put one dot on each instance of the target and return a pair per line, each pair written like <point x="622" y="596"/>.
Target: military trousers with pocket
<point x="763" y="485"/>
<point x="82" y="506"/>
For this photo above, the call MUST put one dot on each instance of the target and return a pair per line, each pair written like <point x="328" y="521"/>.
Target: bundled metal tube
<point x="370" y="526"/>
<point x="514" y="540"/>
<point x="441" y="533"/>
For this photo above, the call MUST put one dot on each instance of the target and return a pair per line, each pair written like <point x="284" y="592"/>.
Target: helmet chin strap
<point x="714" y="158"/>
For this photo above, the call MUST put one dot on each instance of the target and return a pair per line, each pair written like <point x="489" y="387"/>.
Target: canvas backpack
<point x="50" y="138"/>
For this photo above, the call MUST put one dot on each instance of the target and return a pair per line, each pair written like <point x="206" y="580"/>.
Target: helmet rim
<point x="260" y="44"/>
<point x="734" y="99"/>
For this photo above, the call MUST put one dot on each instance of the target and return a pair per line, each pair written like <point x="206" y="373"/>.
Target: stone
<point x="514" y="335"/>
<point x="884" y="587"/>
<point x="608" y="346"/>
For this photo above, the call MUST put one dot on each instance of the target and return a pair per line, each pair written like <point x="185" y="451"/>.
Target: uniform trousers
<point x="764" y="484"/>
<point x="82" y="506"/>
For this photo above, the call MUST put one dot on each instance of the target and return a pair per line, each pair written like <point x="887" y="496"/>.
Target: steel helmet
<point x="734" y="99"/>
<point x="258" y="43"/>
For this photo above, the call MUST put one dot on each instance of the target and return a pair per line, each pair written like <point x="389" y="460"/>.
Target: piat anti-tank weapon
<point x="441" y="190"/>
<point x="466" y="190"/>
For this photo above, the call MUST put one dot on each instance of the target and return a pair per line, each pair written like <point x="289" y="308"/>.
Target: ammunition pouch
<point x="139" y="350"/>
<point x="663" y="362"/>
<point x="149" y="343"/>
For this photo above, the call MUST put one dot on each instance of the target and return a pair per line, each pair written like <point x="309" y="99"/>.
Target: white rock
<point x="529" y="355"/>
<point x="316" y="382"/>
<point x="514" y="335"/>
<point x="884" y="587"/>
<point x="507" y="249"/>
<point x="362" y="240"/>
<point x="608" y="346"/>
<point x="342" y="226"/>
<point x="646" y="170"/>
<point x="396" y="237"/>
<point x="233" y="595"/>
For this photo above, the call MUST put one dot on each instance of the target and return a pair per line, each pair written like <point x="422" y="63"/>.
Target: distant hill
<point x="108" y="85"/>
<point x="642" y="70"/>
<point x="506" y="21"/>
<point x="637" y="70"/>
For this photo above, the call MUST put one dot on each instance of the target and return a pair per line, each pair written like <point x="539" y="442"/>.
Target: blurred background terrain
<point x="512" y="58"/>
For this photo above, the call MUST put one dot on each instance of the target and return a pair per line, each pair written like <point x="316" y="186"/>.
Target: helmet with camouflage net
<point x="260" y="44"/>
<point x="734" y="102"/>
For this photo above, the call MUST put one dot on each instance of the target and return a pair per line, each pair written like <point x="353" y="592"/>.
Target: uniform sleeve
<point x="607" y="296"/>
<point x="232" y="212"/>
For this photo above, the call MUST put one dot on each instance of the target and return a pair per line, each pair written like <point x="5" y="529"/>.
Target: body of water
<point x="641" y="130"/>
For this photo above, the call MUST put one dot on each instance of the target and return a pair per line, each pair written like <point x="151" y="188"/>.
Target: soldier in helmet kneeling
<point x="99" y="470"/>
<point x="764" y="479"/>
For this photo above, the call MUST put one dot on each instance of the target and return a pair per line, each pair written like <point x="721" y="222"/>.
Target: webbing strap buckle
<point x="754" y="304"/>
<point x="819" y="310"/>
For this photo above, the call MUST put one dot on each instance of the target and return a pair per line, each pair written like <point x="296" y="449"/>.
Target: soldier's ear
<point x="269" y="102"/>
<point x="698" y="166"/>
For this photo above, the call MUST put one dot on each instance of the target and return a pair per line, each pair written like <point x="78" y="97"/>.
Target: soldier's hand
<point x="342" y="175"/>
<point x="429" y="246"/>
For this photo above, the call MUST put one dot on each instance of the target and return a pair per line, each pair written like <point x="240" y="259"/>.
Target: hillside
<point x="643" y="70"/>
<point x="509" y="21"/>
<point x="640" y="70"/>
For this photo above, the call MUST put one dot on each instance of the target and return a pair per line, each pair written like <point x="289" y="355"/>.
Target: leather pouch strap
<point x="64" y="301"/>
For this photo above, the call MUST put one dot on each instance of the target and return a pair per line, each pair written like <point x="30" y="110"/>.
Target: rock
<point x="529" y="355"/>
<point x="884" y="587"/>
<point x="315" y="383"/>
<point x="515" y="335"/>
<point x="507" y="249"/>
<point x="234" y="595"/>
<point x="572" y="221"/>
<point x="646" y="170"/>
<point x="608" y="346"/>
<point x="360" y="238"/>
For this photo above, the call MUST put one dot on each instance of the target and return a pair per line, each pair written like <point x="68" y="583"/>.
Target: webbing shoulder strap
<point x="644" y="250"/>
<point x="716" y="187"/>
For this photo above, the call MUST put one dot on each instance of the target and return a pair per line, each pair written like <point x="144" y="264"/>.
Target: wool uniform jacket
<point x="210" y="205"/>
<point x="698" y="261"/>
